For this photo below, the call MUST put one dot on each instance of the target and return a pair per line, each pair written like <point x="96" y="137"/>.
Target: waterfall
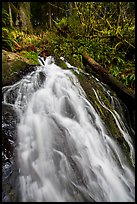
<point x="65" y="152"/>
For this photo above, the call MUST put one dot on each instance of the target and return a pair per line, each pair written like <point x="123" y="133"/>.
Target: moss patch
<point x="60" y="63"/>
<point x="12" y="63"/>
<point x="31" y="56"/>
<point x="9" y="70"/>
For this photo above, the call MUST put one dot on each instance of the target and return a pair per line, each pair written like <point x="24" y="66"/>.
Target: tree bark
<point x="101" y="73"/>
<point x="50" y="16"/>
<point x="70" y="7"/>
<point x="24" y="16"/>
<point x="10" y="14"/>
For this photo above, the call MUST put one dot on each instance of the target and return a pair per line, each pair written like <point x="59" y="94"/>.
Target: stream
<point x="56" y="147"/>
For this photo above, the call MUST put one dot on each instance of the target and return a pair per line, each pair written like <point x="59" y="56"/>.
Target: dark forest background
<point x="104" y="30"/>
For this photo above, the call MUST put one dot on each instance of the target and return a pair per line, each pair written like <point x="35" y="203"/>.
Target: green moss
<point x="60" y="63"/>
<point x="17" y="65"/>
<point x="9" y="70"/>
<point x="13" y="63"/>
<point x="14" y="68"/>
<point x="31" y="55"/>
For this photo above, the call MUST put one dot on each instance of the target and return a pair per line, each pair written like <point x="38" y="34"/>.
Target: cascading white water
<point x="64" y="150"/>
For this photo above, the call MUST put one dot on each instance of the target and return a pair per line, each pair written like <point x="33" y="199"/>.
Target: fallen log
<point x="101" y="73"/>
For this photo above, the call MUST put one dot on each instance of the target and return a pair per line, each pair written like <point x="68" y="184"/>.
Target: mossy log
<point x="101" y="73"/>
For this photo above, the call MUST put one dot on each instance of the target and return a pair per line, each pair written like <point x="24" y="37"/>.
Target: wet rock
<point x="10" y="183"/>
<point x="18" y="75"/>
<point x="6" y="199"/>
<point x="41" y="77"/>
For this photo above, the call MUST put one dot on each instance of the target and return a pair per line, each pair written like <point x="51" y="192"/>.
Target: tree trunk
<point x="10" y="14"/>
<point x="50" y="16"/>
<point x="101" y="73"/>
<point x="70" y="8"/>
<point x="24" y="16"/>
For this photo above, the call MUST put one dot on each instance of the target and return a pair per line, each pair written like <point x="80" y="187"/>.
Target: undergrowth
<point x="71" y="49"/>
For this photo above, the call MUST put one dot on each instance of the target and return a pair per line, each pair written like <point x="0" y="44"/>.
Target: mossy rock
<point x="60" y="63"/>
<point x="9" y="71"/>
<point x="12" y="64"/>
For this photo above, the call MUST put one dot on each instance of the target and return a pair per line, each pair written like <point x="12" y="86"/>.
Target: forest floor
<point x="27" y="47"/>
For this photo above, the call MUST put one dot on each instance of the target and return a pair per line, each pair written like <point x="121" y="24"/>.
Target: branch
<point x="108" y="23"/>
<point x="129" y="44"/>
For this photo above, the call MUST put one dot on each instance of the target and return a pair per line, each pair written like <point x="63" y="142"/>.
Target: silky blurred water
<point x="65" y="152"/>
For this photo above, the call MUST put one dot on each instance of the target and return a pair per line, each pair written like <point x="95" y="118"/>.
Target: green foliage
<point x="106" y="31"/>
<point x="61" y="23"/>
<point x="100" y="50"/>
<point x="109" y="36"/>
<point x="75" y="26"/>
<point x="129" y="79"/>
<point x="32" y="56"/>
<point x="7" y="42"/>
<point x="7" y="38"/>
<point x="5" y="18"/>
